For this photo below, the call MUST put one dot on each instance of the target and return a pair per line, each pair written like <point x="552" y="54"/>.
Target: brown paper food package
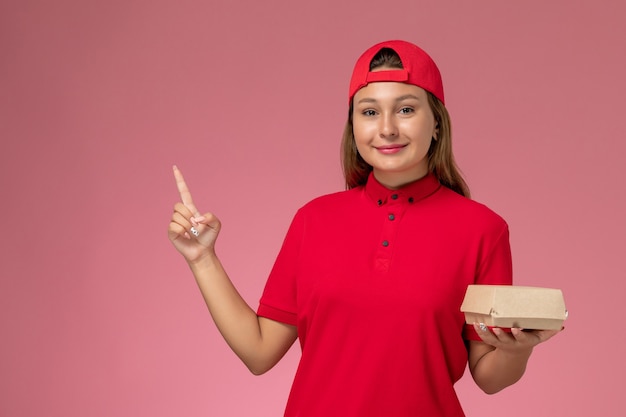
<point x="515" y="306"/>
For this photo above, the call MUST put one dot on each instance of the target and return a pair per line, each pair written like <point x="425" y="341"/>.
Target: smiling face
<point x="393" y="127"/>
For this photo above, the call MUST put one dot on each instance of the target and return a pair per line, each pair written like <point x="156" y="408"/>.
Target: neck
<point x="395" y="181"/>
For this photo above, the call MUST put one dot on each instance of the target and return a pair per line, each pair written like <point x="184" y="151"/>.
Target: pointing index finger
<point x="185" y="195"/>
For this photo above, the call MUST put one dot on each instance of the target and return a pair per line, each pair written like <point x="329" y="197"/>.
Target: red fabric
<point x="419" y="69"/>
<point x="379" y="324"/>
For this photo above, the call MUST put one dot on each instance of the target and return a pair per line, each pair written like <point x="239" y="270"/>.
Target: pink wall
<point x="99" y="316"/>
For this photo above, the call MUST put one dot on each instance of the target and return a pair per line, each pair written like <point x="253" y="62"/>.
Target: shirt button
<point x="394" y="196"/>
<point x="411" y="199"/>
<point x="385" y="243"/>
<point x="379" y="202"/>
<point x="392" y="217"/>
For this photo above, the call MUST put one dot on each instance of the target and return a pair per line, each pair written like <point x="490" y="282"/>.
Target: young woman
<point x="370" y="280"/>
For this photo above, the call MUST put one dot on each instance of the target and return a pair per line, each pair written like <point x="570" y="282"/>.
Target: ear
<point x="436" y="132"/>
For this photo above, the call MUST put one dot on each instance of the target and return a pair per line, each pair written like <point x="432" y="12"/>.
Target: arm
<point x="259" y="342"/>
<point x="500" y="359"/>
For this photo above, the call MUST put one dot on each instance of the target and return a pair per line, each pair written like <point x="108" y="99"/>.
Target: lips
<point x="390" y="149"/>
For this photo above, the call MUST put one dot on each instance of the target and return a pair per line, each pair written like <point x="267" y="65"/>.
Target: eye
<point x="406" y="110"/>
<point x="368" y="113"/>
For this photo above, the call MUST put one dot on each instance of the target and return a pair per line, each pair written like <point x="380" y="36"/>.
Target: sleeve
<point x="279" y="299"/>
<point x="495" y="268"/>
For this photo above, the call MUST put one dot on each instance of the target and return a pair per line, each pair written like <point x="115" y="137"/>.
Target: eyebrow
<point x="401" y="98"/>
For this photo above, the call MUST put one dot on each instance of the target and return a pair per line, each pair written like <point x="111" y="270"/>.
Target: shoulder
<point x="333" y="202"/>
<point x="330" y="209"/>
<point x="469" y="211"/>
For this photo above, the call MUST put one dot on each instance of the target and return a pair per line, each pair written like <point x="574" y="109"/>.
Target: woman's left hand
<point x="517" y="340"/>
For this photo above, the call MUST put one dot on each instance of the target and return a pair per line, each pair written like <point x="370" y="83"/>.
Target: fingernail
<point x="198" y="219"/>
<point x="482" y="327"/>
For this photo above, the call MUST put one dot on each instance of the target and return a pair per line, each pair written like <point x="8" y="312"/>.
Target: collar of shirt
<point x="411" y="192"/>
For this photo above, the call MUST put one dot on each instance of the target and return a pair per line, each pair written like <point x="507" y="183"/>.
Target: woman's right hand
<point x="186" y="219"/>
<point x="258" y="341"/>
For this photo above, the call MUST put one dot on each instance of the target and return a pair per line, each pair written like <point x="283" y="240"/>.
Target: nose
<point x="388" y="127"/>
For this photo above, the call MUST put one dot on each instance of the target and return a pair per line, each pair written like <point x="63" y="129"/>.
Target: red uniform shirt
<point x="373" y="278"/>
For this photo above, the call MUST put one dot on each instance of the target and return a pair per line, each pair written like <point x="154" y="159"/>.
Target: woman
<point x="370" y="280"/>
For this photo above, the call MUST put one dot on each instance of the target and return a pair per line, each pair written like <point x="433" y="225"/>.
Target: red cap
<point x="419" y="69"/>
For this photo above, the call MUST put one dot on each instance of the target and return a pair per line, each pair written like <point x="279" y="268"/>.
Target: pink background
<point x="99" y="316"/>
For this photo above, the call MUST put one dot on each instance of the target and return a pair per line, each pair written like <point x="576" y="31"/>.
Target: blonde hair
<point x="440" y="157"/>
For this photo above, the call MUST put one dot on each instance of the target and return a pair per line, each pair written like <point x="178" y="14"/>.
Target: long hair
<point x="440" y="157"/>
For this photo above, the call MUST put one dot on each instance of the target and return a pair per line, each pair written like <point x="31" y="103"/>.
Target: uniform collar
<point x="411" y="193"/>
